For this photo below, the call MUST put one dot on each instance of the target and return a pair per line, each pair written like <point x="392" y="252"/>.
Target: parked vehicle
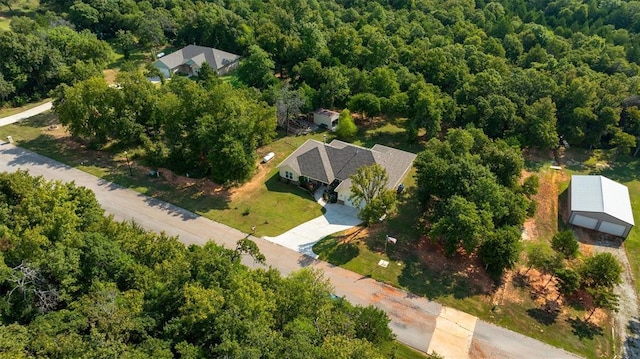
<point x="268" y="157"/>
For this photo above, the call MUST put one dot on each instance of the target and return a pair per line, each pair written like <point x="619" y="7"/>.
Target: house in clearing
<point x="190" y="59"/>
<point x="598" y="203"/>
<point x="326" y="118"/>
<point x="333" y="163"/>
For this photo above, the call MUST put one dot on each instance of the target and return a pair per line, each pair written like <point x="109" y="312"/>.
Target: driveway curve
<point x="26" y="114"/>
<point x="336" y="218"/>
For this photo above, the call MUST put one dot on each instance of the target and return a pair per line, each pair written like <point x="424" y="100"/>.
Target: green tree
<point x="367" y="104"/>
<point x="249" y="247"/>
<point x="565" y="243"/>
<point x="88" y="109"/>
<point x="126" y="41"/>
<point x="622" y="141"/>
<point x="369" y="192"/>
<point x="257" y="68"/>
<point x="538" y="255"/>
<point x="461" y="224"/>
<point x="347" y="129"/>
<point x="500" y="251"/>
<point x="372" y="324"/>
<point x="568" y="281"/>
<point x="604" y="298"/>
<point x="601" y="270"/>
<point x="540" y="124"/>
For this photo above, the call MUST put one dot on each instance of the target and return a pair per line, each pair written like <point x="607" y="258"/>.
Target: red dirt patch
<point x="469" y="266"/>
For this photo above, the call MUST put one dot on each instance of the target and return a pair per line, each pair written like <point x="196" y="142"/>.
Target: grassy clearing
<point x="8" y="111"/>
<point x="20" y="8"/>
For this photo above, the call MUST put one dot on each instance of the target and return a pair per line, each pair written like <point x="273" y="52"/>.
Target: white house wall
<point x="601" y="222"/>
<point x="320" y="119"/>
<point x="285" y="169"/>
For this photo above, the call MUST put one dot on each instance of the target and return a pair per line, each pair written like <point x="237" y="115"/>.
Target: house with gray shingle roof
<point x="190" y="59"/>
<point x="338" y="160"/>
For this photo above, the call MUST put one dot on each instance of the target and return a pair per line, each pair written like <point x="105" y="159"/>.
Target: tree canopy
<point x="468" y="185"/>
<point x="76" y="283"/>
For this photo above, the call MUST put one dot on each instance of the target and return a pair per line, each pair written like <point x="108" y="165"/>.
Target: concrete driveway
<point x="26" y="114"/>
<point x="336" y="218"/>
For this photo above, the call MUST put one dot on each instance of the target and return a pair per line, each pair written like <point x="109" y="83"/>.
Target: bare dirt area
<point x="468" y="266"/>
<point x="257" y="181"/>
<point x="544" y="223"/>
<point x="110" y="76"/>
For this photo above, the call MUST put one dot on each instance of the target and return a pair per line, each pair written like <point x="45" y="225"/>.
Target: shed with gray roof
<point x="598" y="203"/>
<point x="190" y="59"/>
<point x="338" y="160"/>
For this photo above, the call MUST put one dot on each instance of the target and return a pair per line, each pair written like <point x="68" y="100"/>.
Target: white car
<point x="268" y="157"/>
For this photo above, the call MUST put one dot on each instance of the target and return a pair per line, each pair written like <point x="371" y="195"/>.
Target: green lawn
<point x="20" y="8"/>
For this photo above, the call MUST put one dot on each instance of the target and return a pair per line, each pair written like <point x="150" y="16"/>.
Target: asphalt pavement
<point x="414" y="319"/>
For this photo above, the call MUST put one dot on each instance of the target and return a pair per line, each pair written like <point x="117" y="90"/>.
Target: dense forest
<point x="74" y="283"/>
<point x="523" y="70"/>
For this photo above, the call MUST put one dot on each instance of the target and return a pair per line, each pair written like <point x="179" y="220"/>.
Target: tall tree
<point x="257" y="68"/>
<point x="367" y="104"/>
<point x="461" y="224"/>
<point x="601" y="270"/>
<point x="346" y="126"/>
<point x="369" y="192"/>
<point x="565" y="243"/>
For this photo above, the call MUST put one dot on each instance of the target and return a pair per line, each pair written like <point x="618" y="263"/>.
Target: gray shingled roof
<point x="217" y="59"/>
<point x="339" y="160"/>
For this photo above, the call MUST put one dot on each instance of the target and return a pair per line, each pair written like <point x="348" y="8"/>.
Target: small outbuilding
<point x="598" y="203"/>
<point x="326" y="118"/>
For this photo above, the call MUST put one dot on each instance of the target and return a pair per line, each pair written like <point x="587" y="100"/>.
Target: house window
<point x="288" y="175"/>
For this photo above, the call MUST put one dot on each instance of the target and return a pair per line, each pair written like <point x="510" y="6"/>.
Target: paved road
<point x="26" y="114"/>
<point x="413" y="319"/>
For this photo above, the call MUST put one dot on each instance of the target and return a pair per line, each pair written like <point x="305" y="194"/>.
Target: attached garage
<point x="598" y="203"/>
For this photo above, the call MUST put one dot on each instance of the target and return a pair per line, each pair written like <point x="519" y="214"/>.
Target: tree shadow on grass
<point x="622" y="170"/>
<point x="421" y="280"/>
<point x="331" y="250"/>
<point x="278" y="184"/>
<point x="545" y="316"/>
<point x="584" y="329"/>
<point x="632" y="343"/>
